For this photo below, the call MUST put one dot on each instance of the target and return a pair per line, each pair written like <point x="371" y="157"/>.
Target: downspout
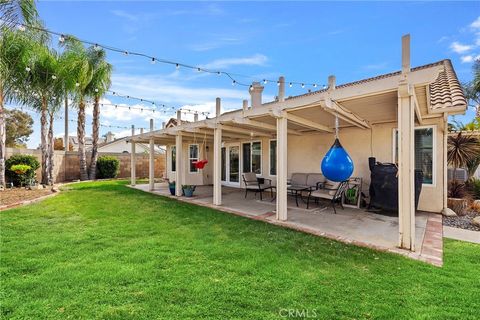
<point x="445" y="162"/>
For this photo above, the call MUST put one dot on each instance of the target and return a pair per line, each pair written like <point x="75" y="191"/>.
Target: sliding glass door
<point x="231" y="164"/>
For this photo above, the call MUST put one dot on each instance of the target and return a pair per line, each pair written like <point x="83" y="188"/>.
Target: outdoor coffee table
<point x="297" y="190"/>
<point x="294" y="190"/>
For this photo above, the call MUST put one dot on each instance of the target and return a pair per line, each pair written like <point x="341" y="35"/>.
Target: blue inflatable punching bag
<point x="337" y="164"/>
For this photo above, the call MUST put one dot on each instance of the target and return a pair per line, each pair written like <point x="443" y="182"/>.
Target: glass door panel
<point x="234" y="162"/>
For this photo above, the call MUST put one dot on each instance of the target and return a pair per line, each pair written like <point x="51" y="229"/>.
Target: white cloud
<point x="255" y="60"/>
<point x="460" y="48"/>
<point x="466" y="59"/>
<point x="476" y="24"/>
<point x="125" y="15"/>
<point x="158" y="88"/>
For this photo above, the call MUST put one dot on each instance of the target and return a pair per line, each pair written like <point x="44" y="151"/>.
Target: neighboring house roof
<point x="173" y="122"/>
<point x="122" y="142"/>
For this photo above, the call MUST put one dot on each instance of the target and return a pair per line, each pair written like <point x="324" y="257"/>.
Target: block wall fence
<point x="67" y="164"/>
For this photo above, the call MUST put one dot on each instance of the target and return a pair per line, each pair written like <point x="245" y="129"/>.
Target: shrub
<point x="21" y="170"/>
<point x="474" y="186"/>
<point x="107" y="167"/>
<point x="21" y="159"/>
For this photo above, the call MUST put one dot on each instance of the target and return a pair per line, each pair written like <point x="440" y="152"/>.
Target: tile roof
<point x="446" y="90"/>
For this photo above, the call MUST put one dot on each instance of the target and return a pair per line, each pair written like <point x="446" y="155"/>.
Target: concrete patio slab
<point x="351" y="225"/>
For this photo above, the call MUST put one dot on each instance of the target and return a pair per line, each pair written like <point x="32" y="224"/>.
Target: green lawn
<point x="102" y="250"/>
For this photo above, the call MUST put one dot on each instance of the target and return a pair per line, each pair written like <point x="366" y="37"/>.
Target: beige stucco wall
<point x="306" y="152"/>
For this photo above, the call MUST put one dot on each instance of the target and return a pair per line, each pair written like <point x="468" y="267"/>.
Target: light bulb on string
<point x="251" y="88"/>
<point x="61" y="39"/>
<point x="303" y="85"/>
<point x="96" y="47"/>
<point x="125" y="53"/>
<point x="278" y="83"/>
<point x="314" y="85"/>
<point x="54" y="77"/>
<point x="198" y="69"/>
<point x="96" y="90"/>
<point x="28" y="69"/>
<point x="177" y="66"/>
<point x="153" y="61"/>
<point x="77" y="84"/>
<point x="265" y="81"/>
<point x="290" y="84"/>
<point x="21" y="27"/>
<point x="234" y="82"/>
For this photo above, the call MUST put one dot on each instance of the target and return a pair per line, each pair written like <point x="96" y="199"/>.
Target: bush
<point x="474" y="186"/>
<point x="107" y="167"/>
<point x="21" y="159"/>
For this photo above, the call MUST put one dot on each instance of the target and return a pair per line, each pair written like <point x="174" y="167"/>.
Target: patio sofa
<point x="307" y="180"/>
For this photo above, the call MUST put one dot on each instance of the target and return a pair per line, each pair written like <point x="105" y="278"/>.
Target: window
<point x="252" y="157"/>
<point x="193" y="157"/>
<point x="173" y="151"/>
<point x="273" y="157"/>
<point x="424" y="151"/>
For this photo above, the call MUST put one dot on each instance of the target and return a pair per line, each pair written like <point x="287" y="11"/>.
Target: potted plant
<point x="171" y="187"/>
<point x="188" y="190"/>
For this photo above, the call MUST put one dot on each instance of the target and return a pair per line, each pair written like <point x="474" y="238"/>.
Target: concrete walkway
<point x="461" y="234"/>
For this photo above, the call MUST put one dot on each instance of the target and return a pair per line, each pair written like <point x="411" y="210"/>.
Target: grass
<point x="102" y="250"/>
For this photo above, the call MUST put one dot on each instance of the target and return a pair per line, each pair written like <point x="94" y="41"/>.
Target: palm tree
<point x="472" y="89"/>
<point x="80" y="70"/>
<point x="98" y="86"/>
<point x="461" y="150"/>
<point x="12" y="12"/>
<point x="43" y="82"/>
<point x="18" y="11"/>
<point x="14" y="54"/>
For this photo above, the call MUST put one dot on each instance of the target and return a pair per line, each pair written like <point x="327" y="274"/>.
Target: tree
<point x="14" y="55"/>
<point x="18" y="11"/>
<point x="58" y="145"/>
<point x="462" y="149"/>
<point x="18" y="128"/>
<point x="98" y="86"/>
<point x="77" y="73"/>
<point x="472" y="89"/>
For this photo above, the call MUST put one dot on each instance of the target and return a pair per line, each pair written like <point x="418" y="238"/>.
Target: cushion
<point x="299" y="179"/>
<point x="324" y="194"/>
<point x="331" y="185"/>
<point x="250" y="177"/>
<point x="313" y="178"/>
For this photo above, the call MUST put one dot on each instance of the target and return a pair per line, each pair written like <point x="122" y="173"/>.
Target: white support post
<point x="217" y="159"/>
<point x="132" y="160"/>
<point x="179" y="164"/>
<point x="406" y="154"/>
<point x="282" y="136"/>
<point x="151" y="163"/>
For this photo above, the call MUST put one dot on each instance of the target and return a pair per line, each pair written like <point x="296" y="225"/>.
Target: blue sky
<point x="304" y="41"/>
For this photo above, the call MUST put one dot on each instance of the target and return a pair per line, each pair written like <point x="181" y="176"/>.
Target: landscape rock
<point x="476" y="205"/>
<point x="476" y="221"/>
<point x="447" y="212"/>
<point x="55" y="189"/>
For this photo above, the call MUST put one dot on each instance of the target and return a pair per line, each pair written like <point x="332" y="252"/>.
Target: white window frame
<point x="269" y="157"/>
<point x="434" y="152"/>
<point x="190" y="159"/>
<point x="171" y="158"/>
<point x="251" y="155"/>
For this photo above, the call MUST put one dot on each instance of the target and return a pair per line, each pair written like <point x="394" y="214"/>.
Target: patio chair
<point x="253" y="184"/>
<point x="332" y="191"/>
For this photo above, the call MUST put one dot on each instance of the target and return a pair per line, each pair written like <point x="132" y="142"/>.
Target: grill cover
<point x="384" y="186"/>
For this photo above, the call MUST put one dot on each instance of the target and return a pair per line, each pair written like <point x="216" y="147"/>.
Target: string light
<point x="97" y="46"/>
<point x="28" y="69"/>
<point x="177" y="66"/>
<point x="61" y="39"/>
<point x="54" y="77"/>
<point x="153" y="61"/>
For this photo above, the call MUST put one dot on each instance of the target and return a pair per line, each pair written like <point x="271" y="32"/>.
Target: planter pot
<point x="172" y="190"/>
<point x="459" y="206"/>
<point x="188" y="192"/>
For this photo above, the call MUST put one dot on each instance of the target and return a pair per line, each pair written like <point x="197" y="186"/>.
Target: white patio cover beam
<point x="406" y="154"/>
<point x="151" y="162"/>
<point x="132" y="160"/>
<point x="217" y="159"/>
<point x="282" y="167"/>
<point x="179" y="167"/>
<point x="418" y="114"/>
<point x="305" y="123"/>
<point x="261" y="125"/>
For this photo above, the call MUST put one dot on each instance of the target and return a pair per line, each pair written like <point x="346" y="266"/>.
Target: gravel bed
<point x="463" y="222"/>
